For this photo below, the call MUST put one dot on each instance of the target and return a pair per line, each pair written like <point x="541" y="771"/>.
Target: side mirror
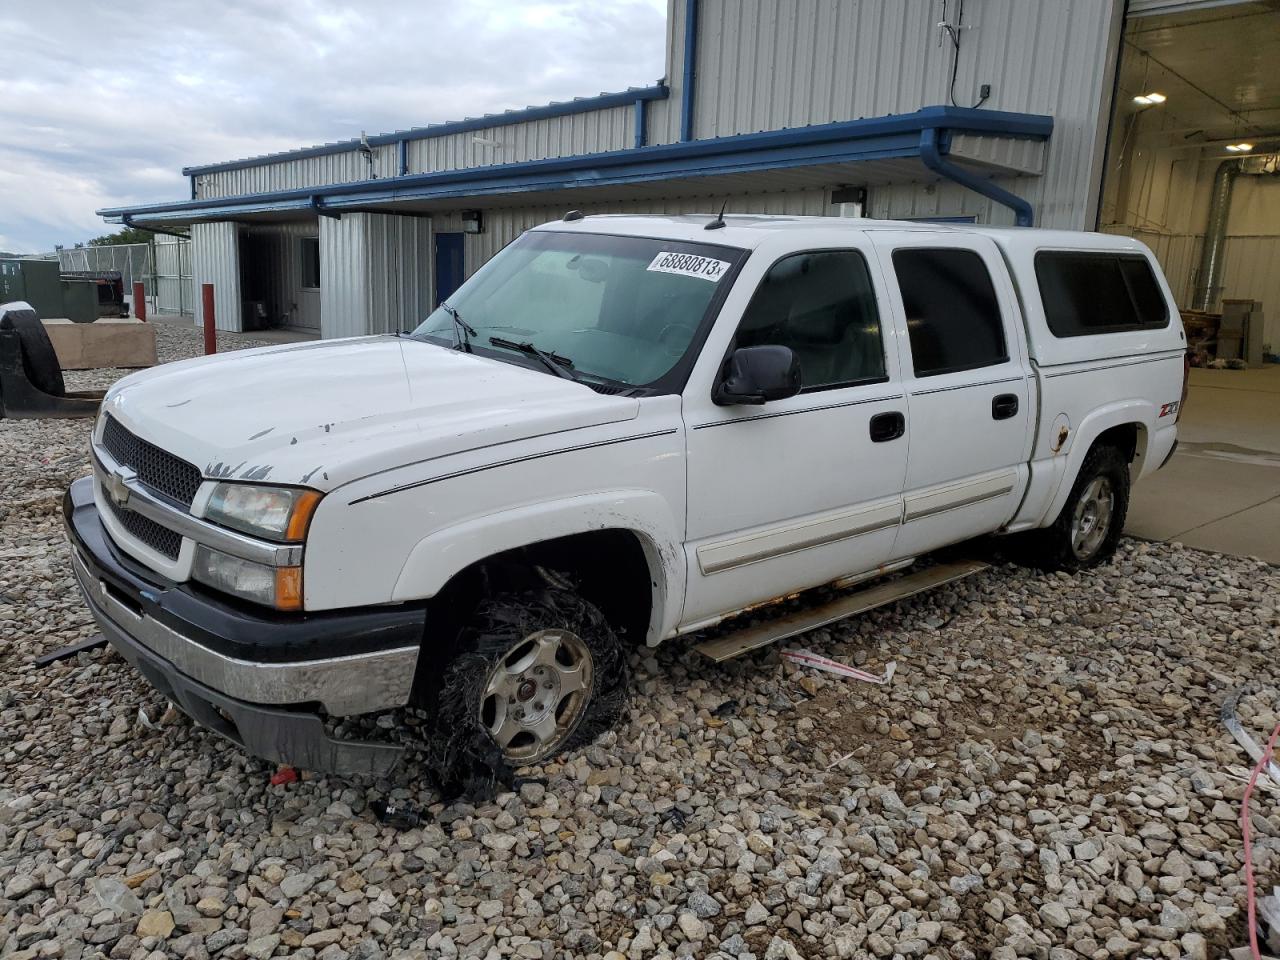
<point x="756" y="375"/>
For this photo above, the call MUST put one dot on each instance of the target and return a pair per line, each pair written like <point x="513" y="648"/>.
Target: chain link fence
<point x="163" y="267"/>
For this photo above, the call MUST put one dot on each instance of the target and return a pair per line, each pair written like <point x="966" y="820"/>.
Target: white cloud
<point x="103" y="104"/>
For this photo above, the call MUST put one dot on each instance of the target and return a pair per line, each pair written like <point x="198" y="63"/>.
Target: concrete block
<point x="107" y="342"/>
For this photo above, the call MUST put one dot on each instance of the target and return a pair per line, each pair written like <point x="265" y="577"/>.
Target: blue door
<point x="448" y="265"/>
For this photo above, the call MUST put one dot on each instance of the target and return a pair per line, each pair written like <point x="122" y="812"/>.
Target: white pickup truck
<point x="621" y="430"/>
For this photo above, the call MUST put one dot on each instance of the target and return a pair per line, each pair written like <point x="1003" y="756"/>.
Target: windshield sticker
<point x="689" y="265"/>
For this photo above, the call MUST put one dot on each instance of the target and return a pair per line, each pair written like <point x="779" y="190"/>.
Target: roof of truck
<point x="749" y="230"/>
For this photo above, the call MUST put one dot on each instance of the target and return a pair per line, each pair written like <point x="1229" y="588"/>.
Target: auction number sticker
<point x="689" y="265"/>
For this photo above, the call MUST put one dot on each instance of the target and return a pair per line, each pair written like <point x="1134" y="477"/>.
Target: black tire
<point x="1053" y="548"/>
<point x="465" y="752"/>
<point x="38" y="357"/>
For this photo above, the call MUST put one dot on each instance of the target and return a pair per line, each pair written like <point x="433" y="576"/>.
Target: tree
<point x="124" y="235"/>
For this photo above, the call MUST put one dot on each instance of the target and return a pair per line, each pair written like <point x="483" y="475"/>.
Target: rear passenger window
<point x="1089" y="293"/>
<point x="952" y="315"/>
<point x="823" y="307"/>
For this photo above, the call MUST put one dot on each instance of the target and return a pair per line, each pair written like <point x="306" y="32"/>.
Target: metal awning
<point x="968" y="146"/>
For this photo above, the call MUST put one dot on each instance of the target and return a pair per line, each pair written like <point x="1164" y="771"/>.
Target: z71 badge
<point x="1169" y="409"/>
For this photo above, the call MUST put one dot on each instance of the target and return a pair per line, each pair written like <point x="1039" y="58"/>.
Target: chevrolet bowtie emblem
<point x="118" y="484"/>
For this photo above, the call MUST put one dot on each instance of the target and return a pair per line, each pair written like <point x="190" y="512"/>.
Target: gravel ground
<point x="1046" y="776"/>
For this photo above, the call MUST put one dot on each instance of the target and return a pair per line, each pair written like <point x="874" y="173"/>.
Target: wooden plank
<point x="781" y="628"/>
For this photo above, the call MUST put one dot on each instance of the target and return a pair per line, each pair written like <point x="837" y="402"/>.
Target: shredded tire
<point x="38" y="357"/>
<point x="463" y="757"/>
<point x="1050" y="548"/>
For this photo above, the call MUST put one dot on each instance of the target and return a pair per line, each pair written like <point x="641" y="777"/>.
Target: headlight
<point x="275" y="513"/>
<point x="279" y="587"/>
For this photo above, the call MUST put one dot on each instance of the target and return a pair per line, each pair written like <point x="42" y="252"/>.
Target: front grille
<point x="162" y="540"/>
<point x="162" y="472"/>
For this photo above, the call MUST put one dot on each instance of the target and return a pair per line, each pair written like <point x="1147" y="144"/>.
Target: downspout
<point x="931" y="153"/>
<point x="642" y="133"/>
<point x="402" y="146"/>
<point x="690" y="58"/>
<point x="1209" y="276"/>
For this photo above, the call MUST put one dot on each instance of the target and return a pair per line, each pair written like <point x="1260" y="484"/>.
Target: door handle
<point x="887" y="426"/>
<point x="1004" y="406"/>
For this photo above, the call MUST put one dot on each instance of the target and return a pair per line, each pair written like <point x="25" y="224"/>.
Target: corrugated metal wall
<point x="290" y="174"/>
<point x="215" y="258"/>
<point x="593" y="132"/>
<point x="765" y="65"/>
<point x="375" y="273"/>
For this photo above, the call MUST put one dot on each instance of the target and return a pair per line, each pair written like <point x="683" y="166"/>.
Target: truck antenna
<point x="718" y="222"/>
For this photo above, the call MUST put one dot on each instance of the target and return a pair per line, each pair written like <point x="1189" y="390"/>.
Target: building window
<point x="822" y="306"/>
<point x="1087" y="293"/>
<point x="311" y="263"/>
<point x="953" y="318"/>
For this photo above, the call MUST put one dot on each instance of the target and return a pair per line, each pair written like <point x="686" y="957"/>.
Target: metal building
<point x="996" y="111"/>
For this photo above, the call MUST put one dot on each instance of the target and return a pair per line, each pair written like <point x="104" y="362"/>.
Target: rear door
<point x="964" y="373"/>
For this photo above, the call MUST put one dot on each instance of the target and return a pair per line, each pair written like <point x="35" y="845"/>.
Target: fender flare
<point x="1122" y="412"/>
<point x="444" y="553"/>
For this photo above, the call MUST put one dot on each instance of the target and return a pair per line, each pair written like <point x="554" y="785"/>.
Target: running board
<point x="762" y="634"/>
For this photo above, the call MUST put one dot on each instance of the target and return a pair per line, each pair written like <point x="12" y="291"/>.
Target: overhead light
<point x="1147" y="99"/>
<point x="1239" y="147"/>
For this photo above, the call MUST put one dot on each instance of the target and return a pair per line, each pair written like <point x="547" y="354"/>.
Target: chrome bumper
<point x="341" y="685"/>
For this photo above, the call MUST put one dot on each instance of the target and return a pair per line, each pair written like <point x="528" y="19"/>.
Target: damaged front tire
<point x="537" y="673"/>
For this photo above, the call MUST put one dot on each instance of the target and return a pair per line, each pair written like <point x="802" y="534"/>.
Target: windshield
<point x="625" y="310"/>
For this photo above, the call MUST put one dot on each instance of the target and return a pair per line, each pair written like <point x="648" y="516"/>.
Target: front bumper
<point x="254" y="679"/>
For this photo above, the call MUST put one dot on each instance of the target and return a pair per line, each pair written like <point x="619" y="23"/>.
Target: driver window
<point x="822" y="305"/>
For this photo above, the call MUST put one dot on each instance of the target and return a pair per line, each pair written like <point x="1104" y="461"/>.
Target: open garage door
<point x="1193" y="171"/>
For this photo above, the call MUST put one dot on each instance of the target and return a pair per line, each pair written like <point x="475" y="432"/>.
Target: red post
<point x="139" y="301"/>
<point x="210" y="334"/>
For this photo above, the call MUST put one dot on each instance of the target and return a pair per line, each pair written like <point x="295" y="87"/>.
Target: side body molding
<point x="446" y="552"/>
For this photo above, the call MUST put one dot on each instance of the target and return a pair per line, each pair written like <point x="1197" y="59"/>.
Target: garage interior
<point x="1193" y="171"/>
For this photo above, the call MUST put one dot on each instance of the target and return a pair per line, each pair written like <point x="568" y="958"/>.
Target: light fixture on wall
<point x="1150" y="99"/>
<point x="472" y="221"/>
<point x="1239" y="147"/>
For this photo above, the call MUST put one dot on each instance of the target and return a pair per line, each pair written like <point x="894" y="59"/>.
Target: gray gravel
<point x="1045" y="776"/>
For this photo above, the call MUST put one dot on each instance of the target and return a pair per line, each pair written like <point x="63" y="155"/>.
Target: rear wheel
<point x="537" y="673"/>
<point x="1088" y="528"/>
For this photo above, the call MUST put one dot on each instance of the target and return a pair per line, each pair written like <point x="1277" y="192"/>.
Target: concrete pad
<point x="1194" y="491"/>
<point x="107" y="342"/>
<point x="1254" y="532"/>
<point x="1236" y="407"/>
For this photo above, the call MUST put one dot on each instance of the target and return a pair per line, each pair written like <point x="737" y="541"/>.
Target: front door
<point x="448" y="265"/>
<point x="968" y="393"/>
<point x="802" y="491"/>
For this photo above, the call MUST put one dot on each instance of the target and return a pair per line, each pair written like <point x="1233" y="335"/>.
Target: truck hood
<point x="322" y="414"/>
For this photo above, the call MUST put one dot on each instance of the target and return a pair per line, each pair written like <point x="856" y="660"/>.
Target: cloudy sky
<point x="102" y="104"/>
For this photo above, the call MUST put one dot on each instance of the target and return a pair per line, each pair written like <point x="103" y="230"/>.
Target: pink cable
<point x="1248" y="845"/>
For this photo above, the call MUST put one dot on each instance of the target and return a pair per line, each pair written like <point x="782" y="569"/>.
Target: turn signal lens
<point x="289" y="588"/>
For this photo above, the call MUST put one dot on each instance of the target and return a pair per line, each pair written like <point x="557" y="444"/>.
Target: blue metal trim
<point x="402" y="147"/>
<point x="850" y="140"/>
<point x="580" y="105"/>
<point x="690" y="69"/>
<point x="931" y="154"/>
<point x="642" y="129"/>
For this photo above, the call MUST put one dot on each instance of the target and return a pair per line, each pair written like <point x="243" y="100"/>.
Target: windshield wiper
<point x="557" y="364"/>
<point x="462" y="331"/>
